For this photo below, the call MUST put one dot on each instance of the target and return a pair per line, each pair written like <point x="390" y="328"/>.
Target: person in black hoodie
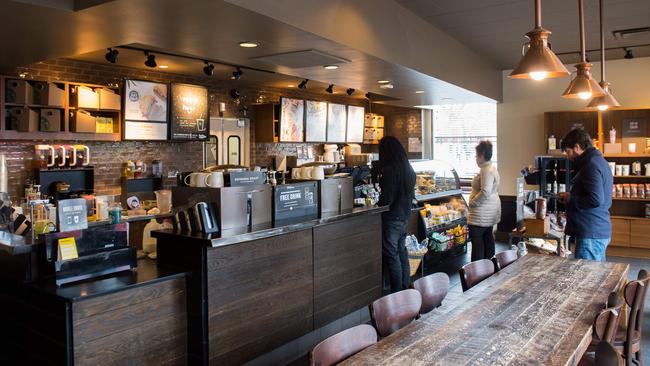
<point x="397" y="183"/>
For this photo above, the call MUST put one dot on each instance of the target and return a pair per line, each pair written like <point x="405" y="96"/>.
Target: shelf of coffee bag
<point x="632" y="176"/>
<point x="631" y="199"/>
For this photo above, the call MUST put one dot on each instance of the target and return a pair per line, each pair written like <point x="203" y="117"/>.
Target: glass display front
<point x="434" y="179"/>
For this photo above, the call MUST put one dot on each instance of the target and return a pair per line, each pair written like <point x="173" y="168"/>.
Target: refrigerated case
<point x="441" y="211"/>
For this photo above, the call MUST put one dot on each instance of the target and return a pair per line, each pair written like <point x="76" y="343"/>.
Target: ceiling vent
<point x="632" y="33"/>
<point x="300" y="59"/>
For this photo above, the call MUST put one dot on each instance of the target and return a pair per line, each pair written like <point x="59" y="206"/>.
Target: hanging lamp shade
<point x="583" y="86"/>
<point x="606" y="101"/>
<point x="539" y="62"/>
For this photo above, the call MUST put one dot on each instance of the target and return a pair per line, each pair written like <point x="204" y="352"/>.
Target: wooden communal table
<point x="537" y="311"/>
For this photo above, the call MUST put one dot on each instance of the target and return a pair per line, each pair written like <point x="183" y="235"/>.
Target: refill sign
<point x="72" y="214"/>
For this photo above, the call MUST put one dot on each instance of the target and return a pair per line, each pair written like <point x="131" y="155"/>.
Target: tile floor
<point x="451" y="267"/>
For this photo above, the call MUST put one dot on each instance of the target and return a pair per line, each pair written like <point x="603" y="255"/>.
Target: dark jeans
<point x="395" y="260"/>
<point x="482" y="242"/>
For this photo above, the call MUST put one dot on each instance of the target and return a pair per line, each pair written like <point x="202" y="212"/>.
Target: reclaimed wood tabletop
<point x="537" y="311"/>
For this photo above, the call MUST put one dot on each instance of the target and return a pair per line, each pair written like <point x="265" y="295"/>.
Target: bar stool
<point x="503" y="259"/>
<point x="394" y="311"/>
<point x="342" y="345"/>
<point x="433" y="289"/>
<point x="475" y="272"/>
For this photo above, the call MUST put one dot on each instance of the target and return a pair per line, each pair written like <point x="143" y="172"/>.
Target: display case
<point x="434" y="179"/>
<point x="441" y="212"/>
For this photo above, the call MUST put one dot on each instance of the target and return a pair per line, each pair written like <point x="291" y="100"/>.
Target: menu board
<point x="292" y="118"/>
<point x="372" y="135"/>
<point x="145" y="110"/>
<point x="316" y="121"/>
<point x="356" y="117"/>
<point x="189" y="117"/>
<point x="336" y="122"/>
<point x="71" y="214"/>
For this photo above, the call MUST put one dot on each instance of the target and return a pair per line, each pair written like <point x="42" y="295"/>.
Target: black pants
<point x="482" y="242"/>
<point x="395" y="260"/>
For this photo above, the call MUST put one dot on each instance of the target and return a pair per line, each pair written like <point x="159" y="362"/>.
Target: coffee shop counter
<point x="252" y="290"/>
<point x="131" y="317"/>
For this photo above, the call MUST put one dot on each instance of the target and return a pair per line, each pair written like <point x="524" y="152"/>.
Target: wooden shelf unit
<point x="66" y="110"/>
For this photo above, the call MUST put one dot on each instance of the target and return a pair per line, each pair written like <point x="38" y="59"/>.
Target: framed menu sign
<point x="145" y="110"/>
<point x="189" y="112"/>
<point x="336" y="122"/>
<point x="292" y="119"/>
<point x="316" y="121"/>
<point x="356" y="117"/>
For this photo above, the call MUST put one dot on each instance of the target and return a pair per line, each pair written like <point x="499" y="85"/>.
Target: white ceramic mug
<point x="306" y="172"/>
<point x="625" y="170"/>
<point x="612" y="166"/>
<point x="619" y="170"/>
<point x="647" y="169"/>
<point x="196" y="179"/>
<point x="214" y="180"/>
<point x="631" y="147"/>
<point x="295" y="173"/>
<point x="318" y="173"/>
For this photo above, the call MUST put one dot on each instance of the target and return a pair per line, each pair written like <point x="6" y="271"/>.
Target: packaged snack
<point x="626" y="191"/>
<point x="633" y="192"/>
<point x="640" y="191"/>
<point x="619" y="190"/>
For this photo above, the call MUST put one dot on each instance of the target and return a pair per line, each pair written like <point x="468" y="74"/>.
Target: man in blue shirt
<point x="588" y="203"/>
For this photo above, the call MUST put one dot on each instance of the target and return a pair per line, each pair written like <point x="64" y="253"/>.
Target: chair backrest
<point x="606" y="323"/>
<point x="607" y="355"/>
<point x="394" y="311"/>
<point x="504" y="259"/>
<point x="475" y="272"/>
<point x="433" y="289"/>
<point x="343" y="345"/>
<point x="635" y="294"/>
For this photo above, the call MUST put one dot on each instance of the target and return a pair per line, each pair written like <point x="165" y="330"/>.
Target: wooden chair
<point x="475" y="272"/>
<point x="503" y="259"/>
<point x="394" y="311"/>
<point x="607" y="355"/>
<point x="605" y="326"/>
<point x="628" y="339"/>
<point x="343" y="345"/>
<point x="433" y="289"/>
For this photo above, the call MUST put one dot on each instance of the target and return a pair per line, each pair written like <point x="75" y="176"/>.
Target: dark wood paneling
<point x="560" y="123"/>
<point x="260" y="296"/>
<point x="347" y="267"/>
<point x="141" y="326"/>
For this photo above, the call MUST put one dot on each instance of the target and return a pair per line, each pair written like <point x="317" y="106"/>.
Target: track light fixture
<point x="330" y="89"/>
<point x="208" y="69"/>
<point x="151" y="59"/>
<point x="236" y="75"/>
<point x="303" y="84"/>
<point x="628" y="54"/>
<point x="234" y="94"/>
<point x="350" y="91"/>
<point x="111" y="55"/>
<point x="368" y="95"/>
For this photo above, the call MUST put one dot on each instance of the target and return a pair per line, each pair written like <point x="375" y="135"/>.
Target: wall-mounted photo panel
<point x="356" y="116"/>
<point x="336" y="122"/>
<point x="316" y="121"/>
<point x="292" y="119"/>
<point x="190" y="112"/>
<point x="145" y="110"/>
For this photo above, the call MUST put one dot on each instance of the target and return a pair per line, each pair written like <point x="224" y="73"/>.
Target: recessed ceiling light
<point x="291" y="86"/>
<point x="331" y="67"/>
<point x="248" y="44"/>
<point x="419" y="92"/>
<point x="383" y="81"/>
<point x="163" y="66"/>
<point x="386" y="86"/>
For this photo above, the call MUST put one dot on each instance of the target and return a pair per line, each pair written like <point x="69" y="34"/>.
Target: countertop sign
<point x="238" y="179"/>
<point x="72" y="215"/>
<point x="296" y="200"/>
<point x="634" y="127"/>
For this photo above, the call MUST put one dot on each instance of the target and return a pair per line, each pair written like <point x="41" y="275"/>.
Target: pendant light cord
<point x="581" y="14"/>
<point x="602" y="43"/>
<point x="538" y="13"/>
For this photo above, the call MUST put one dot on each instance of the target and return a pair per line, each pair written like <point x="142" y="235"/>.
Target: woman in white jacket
<point x="484" y="204"/>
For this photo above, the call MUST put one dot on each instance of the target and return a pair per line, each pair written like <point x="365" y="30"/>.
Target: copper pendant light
<point x="607" y="101"/>
<point x="583" y="86"/>
<point x="539" y="62"/>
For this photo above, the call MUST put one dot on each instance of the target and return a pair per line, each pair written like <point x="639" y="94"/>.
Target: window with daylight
<point x="458" y="128"/>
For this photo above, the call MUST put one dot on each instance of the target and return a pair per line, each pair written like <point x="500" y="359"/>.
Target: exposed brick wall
<point x="107" y="157"/>
<point x="402" y="123"/>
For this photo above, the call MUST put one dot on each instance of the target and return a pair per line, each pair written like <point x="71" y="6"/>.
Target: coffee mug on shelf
<point x="619" y="170"/>
<point x="214" y="180"/>
<point x="612" y="166"/>
<point x="625" y="171"/>
<point x="295" y="173"/>
<point x="306" y="172"/>
<point x="196" y="179"/>
<point x="318" y="173"/>
<point x="631" y="147"/>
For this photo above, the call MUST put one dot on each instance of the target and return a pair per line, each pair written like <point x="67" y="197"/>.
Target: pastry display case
<point x="434" y="179"/>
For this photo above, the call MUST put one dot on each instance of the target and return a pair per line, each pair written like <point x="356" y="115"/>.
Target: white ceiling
<point x="496" y="28"/>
